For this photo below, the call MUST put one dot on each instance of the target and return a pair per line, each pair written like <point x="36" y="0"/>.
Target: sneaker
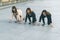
<point x="29" y="23"/>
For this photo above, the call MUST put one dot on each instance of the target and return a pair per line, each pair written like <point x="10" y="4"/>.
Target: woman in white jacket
<point x="17" y="14"/>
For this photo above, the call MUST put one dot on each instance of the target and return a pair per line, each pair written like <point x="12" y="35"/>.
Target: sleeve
<point x="40" y="18"/>
<point x="28" y="18"/>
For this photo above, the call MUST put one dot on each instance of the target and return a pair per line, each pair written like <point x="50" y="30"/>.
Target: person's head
<point x="14" y="9"/>
<point x="28" y="10"/>
<point x="44" y="12"/>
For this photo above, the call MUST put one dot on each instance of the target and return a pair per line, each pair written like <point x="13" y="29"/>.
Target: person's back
<point x="20" y="15"/>
<point x="19" y="11"/>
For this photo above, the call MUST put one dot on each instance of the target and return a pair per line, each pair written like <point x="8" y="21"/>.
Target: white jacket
<point x="18" y="16"/>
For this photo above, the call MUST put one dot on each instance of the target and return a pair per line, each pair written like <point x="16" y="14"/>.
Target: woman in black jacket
<point x="30" y="14"/>
<point x="45" y="14"/>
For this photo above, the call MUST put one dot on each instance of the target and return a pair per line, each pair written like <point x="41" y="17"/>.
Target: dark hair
<point x="15" y="9"/>
<point x="46" y="12"/>
<point x="28" y="9"/>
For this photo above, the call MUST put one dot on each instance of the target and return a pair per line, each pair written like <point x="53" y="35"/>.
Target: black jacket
<point x="49" y="19"/>
<point x="29" y="16"/>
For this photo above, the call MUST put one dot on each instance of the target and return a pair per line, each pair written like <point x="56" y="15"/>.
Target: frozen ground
<point x="15" y="31"/>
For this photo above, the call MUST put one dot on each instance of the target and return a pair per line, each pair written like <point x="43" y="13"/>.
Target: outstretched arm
<point x="40" y="18"/>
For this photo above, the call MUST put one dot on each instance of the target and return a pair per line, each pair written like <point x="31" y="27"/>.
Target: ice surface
<point x="15" y="31"/>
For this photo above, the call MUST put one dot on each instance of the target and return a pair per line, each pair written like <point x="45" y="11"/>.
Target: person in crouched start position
<point x="45" y="14"/>
<point x="17" y="14"/>
<point x="30" y="15"/>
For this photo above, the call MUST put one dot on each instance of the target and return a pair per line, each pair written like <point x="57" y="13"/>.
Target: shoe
<point x="15" y="21"/>
<point x="29" y="23"/>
